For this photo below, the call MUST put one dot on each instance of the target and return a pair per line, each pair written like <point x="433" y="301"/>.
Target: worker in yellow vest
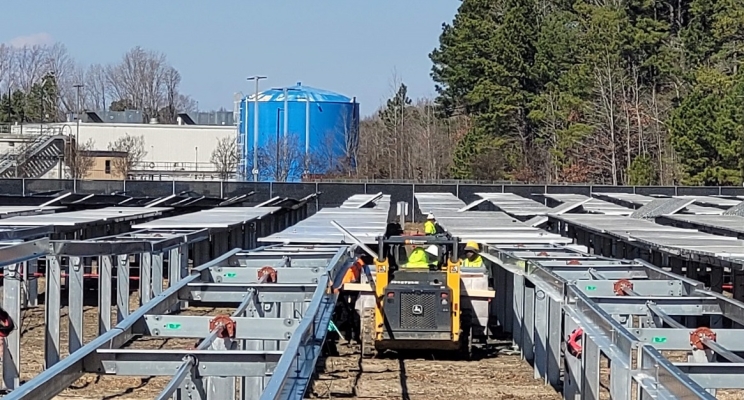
<point x="430" y="226"/>
<point x="421" y="259"/>
<point x="472" y="258"/>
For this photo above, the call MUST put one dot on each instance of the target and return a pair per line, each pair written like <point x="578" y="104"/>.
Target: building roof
<point x="301" y="93"/>
<point x="104" y="153"/>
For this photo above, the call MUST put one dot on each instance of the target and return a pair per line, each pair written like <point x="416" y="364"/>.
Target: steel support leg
<point x="528" y="329"/>
<point x="75" y="304"/>
<point x="52" y="312"/>
<point x="157" y="274"/>
<point x="145" y="278"/>
<point x="541" y="335"/>
<point x="590" y="362"/>
<point x="221" y="388"/>
<point x="32" y="283"/>
<point x="105" y="281"/>
<point x="122" y="287"/>
<point x="555" y="322"/>
<point x="518" y="312"/>
<point x="12" y="304"/>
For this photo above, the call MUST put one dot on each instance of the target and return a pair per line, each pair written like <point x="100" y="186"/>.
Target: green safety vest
<point x="430" y="228"/>
<point x="417" y="260"/>
<point x="476" y="263"/>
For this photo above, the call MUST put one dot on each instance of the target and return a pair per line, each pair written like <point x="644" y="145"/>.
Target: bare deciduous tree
<point x="67" y="74"/>
<point x="134" y="146"/>
<point x="427" y="155"/>
<point x="29" y="66"/>
<point x="95" y="88"/>
<point x="78" y="159"/>
<point x="142" y="80"/>
<point x="5" y="56"/>
<point x="225" y="157"/>
<point x="283" y="159"/>
<point x="147" y="82"/>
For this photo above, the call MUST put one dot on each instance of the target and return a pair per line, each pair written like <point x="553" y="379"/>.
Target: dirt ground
<point x="493" y="378"/>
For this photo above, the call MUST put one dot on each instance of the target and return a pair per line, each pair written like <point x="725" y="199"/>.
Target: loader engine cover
<point x="418" y="306"/>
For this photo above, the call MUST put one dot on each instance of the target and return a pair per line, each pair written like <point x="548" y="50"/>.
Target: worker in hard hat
<point x="472" y="258"/>
<point x="345" y="317"/>
<point x="421" y="258"/>
<point x="430" y="226"/>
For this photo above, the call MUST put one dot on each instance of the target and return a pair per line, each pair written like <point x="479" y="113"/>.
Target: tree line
<point x="634" y="92"/>
<point x="43" y="83"/>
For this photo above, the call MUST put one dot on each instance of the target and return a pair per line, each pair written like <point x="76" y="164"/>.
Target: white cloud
<point x="36" y="39"/>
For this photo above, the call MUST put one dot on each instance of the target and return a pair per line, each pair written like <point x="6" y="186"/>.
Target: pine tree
<point x="707" y="130"/>
<point x="483" y="67"/>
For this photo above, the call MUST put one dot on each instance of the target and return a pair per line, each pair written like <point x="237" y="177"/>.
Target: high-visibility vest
<point x="417" y="260"/>
<point x="430" y="228"/>
<point x="352" y="274"/>
<point x="477" y="262"/>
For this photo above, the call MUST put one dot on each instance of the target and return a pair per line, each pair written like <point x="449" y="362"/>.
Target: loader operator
<point x="421" y="259"/>
<point x="430" y="226"/>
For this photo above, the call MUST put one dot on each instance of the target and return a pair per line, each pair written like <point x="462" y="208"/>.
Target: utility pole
<point x="256" y="78"/>
<point x="74" y="166"/>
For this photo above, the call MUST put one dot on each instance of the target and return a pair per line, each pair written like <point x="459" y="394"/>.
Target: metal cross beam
<point x="127" y="362"/>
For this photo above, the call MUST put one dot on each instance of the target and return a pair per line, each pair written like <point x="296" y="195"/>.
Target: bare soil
<point x="496" y="377"/>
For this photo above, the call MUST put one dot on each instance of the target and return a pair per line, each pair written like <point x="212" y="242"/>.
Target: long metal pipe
<point x="286" y="114"/>
<point x="257" y="78"/>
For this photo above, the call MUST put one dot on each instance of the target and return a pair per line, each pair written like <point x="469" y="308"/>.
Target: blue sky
<point x="351" y="47"/>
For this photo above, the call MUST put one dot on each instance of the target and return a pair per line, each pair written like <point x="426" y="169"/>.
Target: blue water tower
<point x="301" y="130"/>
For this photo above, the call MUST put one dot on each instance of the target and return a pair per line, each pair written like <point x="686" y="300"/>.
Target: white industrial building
<point x="173" y="151"/>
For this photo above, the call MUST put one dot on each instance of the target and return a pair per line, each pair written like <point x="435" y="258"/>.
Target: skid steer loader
<point x="417" y="296"/>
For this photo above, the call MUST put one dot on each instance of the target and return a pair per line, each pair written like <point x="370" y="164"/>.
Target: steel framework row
<point x="278" y="293"/>
<point x="566" y="309"/>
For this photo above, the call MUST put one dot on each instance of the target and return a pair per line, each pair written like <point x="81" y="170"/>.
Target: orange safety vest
<point x="352" y="274"/>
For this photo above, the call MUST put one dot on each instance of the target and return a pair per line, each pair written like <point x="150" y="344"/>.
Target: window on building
<point x="108" y="166"/>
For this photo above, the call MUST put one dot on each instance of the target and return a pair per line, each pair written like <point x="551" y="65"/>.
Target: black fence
<point x="332" y="193"/>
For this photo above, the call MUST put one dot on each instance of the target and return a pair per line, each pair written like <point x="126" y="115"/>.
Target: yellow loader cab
<point x="417" y="295"/>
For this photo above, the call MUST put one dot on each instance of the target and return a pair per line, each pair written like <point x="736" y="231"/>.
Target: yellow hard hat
<point x="472" y="246"/>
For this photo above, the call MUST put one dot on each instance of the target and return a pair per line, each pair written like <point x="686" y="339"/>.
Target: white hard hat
<point x="433" y="250"/>
<point x="430" y="216"/>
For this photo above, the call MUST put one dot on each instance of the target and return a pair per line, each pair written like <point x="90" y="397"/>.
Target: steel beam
<point x="127" y="362"/>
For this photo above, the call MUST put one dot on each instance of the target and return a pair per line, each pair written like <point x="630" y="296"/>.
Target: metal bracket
<point x="228" y="326"/>
<point x="269" y="272"/>
<point x="621" y="286"/>
<point x="699" y="335"/>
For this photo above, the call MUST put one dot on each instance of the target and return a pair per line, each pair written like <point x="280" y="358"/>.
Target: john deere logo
<point x="417" y="309"/>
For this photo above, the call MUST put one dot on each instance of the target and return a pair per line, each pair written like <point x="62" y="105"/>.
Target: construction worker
<point x="421" y="259"/>
<point x="345" y="316"/>
<point x="430" y="226"/>
<point x="472" y="258"/>
<point x="352" y="274"/>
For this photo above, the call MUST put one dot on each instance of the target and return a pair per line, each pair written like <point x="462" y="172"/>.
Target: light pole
<point x="256" y="78"/>
<point x="74" y="168"/>
<point x="278" y="116"/>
